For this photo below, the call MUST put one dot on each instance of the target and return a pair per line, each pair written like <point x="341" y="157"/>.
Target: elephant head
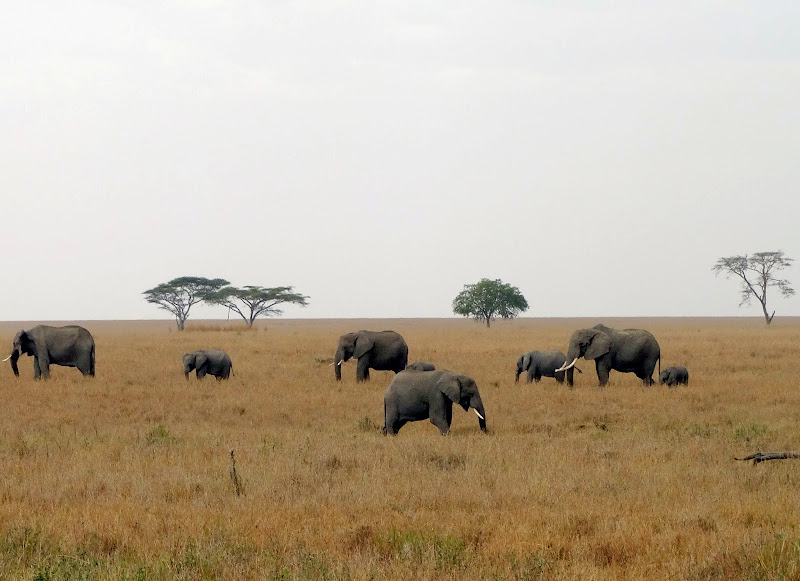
<point x="663" y="377"/>
<point x="463" y="391"/>
<point x="353" y="345"/>
<point x="586" y="343"/>
<point x="23" y="345"/>
<point x="523" y="363"/>
<point x="192" y="361"/>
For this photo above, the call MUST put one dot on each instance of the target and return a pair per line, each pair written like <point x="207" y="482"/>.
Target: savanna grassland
<point x="126" y="476"/>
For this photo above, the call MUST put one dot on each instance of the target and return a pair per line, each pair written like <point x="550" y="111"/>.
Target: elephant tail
<point x="232" y="373"/>
<point x="91" y="362"/>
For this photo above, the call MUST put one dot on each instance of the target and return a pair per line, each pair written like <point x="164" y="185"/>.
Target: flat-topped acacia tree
<point x="488" y="299"/>
<point x="250" y="302"/>
<point x="179" y="295"/>
<point x="758" y="274"/>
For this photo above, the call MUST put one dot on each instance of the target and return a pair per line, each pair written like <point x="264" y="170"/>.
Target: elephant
<point x="629" y="351"/>
<point x="540" y="364"/>
<point x="381" y="350"/>
<point x="208" y="361"/>
<point x="71" y="346"/>
<point x="421" y="366"/>
<point x="673" y="376"/>
<point x="418" y="395"/>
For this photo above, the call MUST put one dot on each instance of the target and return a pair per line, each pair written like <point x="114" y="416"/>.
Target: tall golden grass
<point x="127" y="476"/>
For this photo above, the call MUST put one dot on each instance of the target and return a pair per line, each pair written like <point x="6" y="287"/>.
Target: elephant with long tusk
<point x="418" y="395"/>
<point x="628" y="351"/>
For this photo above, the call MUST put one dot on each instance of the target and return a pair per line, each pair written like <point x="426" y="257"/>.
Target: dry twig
<point x="764" y="456"/>
<point x="237" y="482"/>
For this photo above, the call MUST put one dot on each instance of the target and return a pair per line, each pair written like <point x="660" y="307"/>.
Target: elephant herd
<point x="417" y="392"/>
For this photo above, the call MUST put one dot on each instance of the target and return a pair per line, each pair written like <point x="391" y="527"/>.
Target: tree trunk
<point x="767" y="317"/>
<point x="487" y="322"/>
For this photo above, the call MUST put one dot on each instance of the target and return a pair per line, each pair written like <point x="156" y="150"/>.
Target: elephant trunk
<point x="477" y="405"/>
<point x="337" y="364"/>
<point x="14" y="356"/>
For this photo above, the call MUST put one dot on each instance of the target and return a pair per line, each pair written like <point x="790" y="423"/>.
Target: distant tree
<point x="757" y="274"/>
<point x="250" y="302"/>
<point x="488" y="299"/>
<point x="179" y="295"/>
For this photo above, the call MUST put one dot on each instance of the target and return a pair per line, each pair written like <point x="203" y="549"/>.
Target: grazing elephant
<point x="71" y="346"/>
<point x="673" y="376"/>
<point x="208" y="361"/>
<point x="629" y="351"/>
<point x="418" y="395"/>
<point x="540" y="364"/>
<point x="381" y="350"/>
<point x="421" y="366"/>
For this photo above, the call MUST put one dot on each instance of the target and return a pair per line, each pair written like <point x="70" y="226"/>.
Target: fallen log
<point x="764" y="456"/>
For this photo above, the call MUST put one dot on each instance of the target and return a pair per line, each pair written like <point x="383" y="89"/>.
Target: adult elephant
<point x="628" y="351"/>
<point x="380" y="350"/>
<point x="70" y="346"/>
<point x="540" y="364"/>
<point x="419" y="395"/>
<point x="208" y="361"/>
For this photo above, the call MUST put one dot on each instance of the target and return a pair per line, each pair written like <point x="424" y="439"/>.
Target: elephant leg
<point x="441" y="423"/>
<point x="560" y="376"/>
<point x="84" y="365"/>
<point x="201" y="372"/>
<point x="642" y="374"/>
<point x="602" y="372"/>
<point x="362" y="371"/>
<point x="537" y="378"/>
<point x="41" y="368"/>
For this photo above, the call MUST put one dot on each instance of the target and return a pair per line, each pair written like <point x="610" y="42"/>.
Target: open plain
<point x="126" y="476"/>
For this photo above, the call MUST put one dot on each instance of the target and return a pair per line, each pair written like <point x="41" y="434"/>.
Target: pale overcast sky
<point x="379" y="155"/>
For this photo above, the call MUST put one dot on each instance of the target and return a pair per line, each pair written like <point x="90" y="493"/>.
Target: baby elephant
<point x="672" y="376"/>
<point x="421" y="366"/>
<point x="540" y="364"/>
<point x="211" y="361"/>
<point x="419" y="395"/>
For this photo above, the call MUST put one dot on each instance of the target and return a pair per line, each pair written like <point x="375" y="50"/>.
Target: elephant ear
<point x="598" y="346"/>
<point x="526" y="361"/>
<point x="363" y="344"/>
<point x="26" y="343"/>
<point x="451" y="387"/>
<point x="200" y="360"/>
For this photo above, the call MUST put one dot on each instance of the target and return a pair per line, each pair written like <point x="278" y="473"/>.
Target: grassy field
<point x="127" y="476"/>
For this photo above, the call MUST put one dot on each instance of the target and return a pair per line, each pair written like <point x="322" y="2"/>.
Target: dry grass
<point x="126" y="476"/>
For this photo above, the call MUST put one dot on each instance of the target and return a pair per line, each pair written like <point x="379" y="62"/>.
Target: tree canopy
<point x="757" y="273"/>
<point x="249" y="302"/>
<point x="179" y="295"/>
<point x="488" y="299"/>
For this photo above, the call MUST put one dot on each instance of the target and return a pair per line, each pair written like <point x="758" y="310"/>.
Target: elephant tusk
<point x="478" y="413"/>
<point x="340" y="363"/>
<point x="7" y="358"/>
<point x="565" y="366"/>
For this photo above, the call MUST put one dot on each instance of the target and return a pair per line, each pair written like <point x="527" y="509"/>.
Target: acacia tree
<point x="249" y="302"/>
<point x="488" y="299"/>
<point x="757" y="274"/>
<point x="179" y="295"/>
